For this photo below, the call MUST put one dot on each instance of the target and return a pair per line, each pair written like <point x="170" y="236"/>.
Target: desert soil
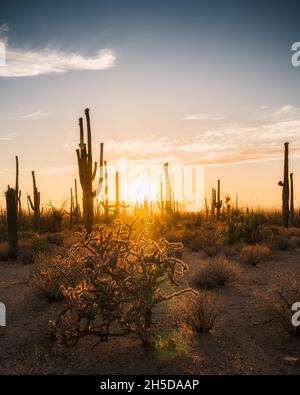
<point x="240" y="343"/>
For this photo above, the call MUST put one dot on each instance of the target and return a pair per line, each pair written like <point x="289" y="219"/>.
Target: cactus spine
<point x="292" y="212"/>
<point x="36" y="204"/>
<point x="12" y="222"/>
<point x="285" y="187"/>
<point x="86" y="172"/>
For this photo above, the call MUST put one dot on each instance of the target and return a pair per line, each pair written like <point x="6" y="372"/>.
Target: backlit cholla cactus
<point x="125" y="276"/>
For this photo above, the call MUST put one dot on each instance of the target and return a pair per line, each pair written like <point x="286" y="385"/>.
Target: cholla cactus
<point x="124" y="274"/>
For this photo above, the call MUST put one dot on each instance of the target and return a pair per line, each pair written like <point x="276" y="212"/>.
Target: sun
<point x="139" y="190"/>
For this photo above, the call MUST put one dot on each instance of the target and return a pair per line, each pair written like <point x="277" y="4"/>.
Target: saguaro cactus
<point x="76" y="205"/>
<point x="117" y="202"/>
<point x="292" y="212"/>
<point x="36" y="204"/>
<point x="213" y="201"/>
<point x="12" y="222"/>
<point x="86" y="172"/>
<point x="168" y="202"/>
<point x="285" y="187"/>
<point x="218" y="202"/>
<point x="18" y="192"/>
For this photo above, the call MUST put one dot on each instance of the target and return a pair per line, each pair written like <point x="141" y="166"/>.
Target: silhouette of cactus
<point x="285" y="187"/>
<point x="12" y="222"/>
<point x="87" y="172"/>
<point x="160" y="201"/>
<point x="36" y="204"/>
<point x="168" y="201"/>
<point x="18" y="192"/>
<point x="213" y="201"/>
<point x="76" y="210"/>
<point x="292" y="212"/>
<point x="218" y="202"/>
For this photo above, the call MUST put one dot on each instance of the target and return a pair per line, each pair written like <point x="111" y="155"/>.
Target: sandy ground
<point x="240" y="343"/>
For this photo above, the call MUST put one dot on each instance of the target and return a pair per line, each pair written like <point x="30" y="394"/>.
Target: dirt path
<point x="239" y="343"/>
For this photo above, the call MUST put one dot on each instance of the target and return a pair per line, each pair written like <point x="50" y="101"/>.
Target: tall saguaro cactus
<point x="292" y="212"/>
<point x="12" y="222"/>
<point x="87" y="172"/>
<point x="36" y="204"/>
<point x="168" y="202"/>
<point x="285" y="187"/>
<point x="218" y="202"/>
<point x="17" y="191"/>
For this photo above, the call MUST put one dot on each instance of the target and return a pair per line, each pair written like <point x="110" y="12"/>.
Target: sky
<point x="209" y="83"/>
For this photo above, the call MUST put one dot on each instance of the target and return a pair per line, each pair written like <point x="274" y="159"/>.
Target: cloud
<point x="34" y="114"/>
<point x="4" y="28"/>
<point x="27" y="63"/>
<point x="204" y="117"/>
<point x="286" y="112"/>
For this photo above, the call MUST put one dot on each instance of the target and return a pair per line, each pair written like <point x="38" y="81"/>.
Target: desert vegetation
<point x="139" y="281"/>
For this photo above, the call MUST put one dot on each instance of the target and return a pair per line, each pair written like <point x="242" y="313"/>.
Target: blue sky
<point x="206" y="82"/>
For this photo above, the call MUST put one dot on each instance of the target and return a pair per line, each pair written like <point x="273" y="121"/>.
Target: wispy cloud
<point x="226" y="143"/>
<point x="28" y="63"/>
<point x="34" y="114"/>
<point x="10" y="136"/>
<point x="286" y="112"/>
<point x="203" y="117"/>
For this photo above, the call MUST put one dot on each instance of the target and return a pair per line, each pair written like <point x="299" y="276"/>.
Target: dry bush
<point x="52" y="273"/>
<point x="54" y="238"/>
<point x="218" y="272"/>
<point x="278" y="301"/>
<point x="4" y="251"/>
<point x="205" y="239"/>
<point x="204" y="312"/>
<point x="125" y="276"/>
<point x="25" y="252"/>
<point x="284" y="243"/>
<point x="254" y="254"/>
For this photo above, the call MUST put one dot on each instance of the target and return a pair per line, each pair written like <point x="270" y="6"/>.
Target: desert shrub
<point x="25" y="252"/>
<point x="254" y="254"/>
<point x="203" y="313"/>
<point x="123" y="281"/>
<point x="278" y="301"/>
<point x="39" y="244"/>
<point x="205" y="239"/>
<point x="52" y="273"/>
<point x="218" y="272"/>
<point x="296" y="241"/>
<point x="56" y="239"/>
<point x="248" y="229"/>
<point x="284" y="243"/>
<point x="4" y="251"/>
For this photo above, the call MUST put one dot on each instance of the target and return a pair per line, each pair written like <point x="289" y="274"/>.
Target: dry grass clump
<point x="216" y="273"/>
<point x="278" y="301"/>
<point x="254" y="254"/>
<point x="52" y="273"/>
<point x="284" y="243"/>
<point x="204" y="312"/>
<point x="4" y="251"/>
